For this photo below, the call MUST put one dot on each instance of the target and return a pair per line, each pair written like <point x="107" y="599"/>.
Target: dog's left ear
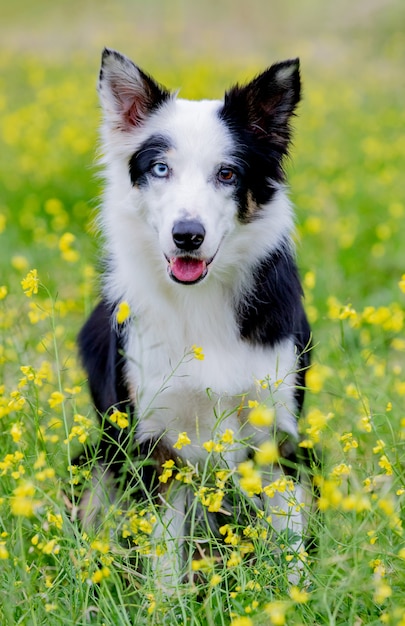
<point x="265" y="105"/>
<point x="127" y="94"/>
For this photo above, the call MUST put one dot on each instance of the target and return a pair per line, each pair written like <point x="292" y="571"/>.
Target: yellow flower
<point x="227" y="436"/>
<point x="30" y="283"/>
<point x="23" y="503"/>
<point x="123" y="312"/>
<point x="212" y="446"/>
<point x="55" y="399"/>
<point x="261" y="416"/>
<point x="16" y="432"/>
<point x="267" y="452"/>
<point x="65" y="247"/>
<point x="215" y="580"/>
<point x="250" y="480"/>
<point x="277" y="612"/>
<point x="197" y="352"/>
<point x="242" y="621"/>
<point x="234" y="560"/>
<point x="100" y="546"/>
<point x="382" y="592"/>
<point x="182" y="440"/>
<point x="385" y="465"/>
<point x="402" y="283"/>
<point x="348" y="442"/>
<point x="167" y="471"/>
<point x="298" y="595"/>
<point x="99" y="574"/>
<point x="119" y="418"/>
<point x="3" y="292"/>
<point x="3" y="551"/>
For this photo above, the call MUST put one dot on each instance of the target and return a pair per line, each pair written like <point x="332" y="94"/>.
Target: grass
<point x="347" y="183"/>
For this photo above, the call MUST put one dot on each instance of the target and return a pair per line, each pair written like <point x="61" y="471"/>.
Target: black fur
<point x="258" y="116"/>
<point x="149" y="153"/>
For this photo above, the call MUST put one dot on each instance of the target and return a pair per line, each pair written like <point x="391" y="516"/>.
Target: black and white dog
<point x="197" y="228"/>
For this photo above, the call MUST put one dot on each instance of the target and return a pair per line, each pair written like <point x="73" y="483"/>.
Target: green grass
<point x="346" y="180"/>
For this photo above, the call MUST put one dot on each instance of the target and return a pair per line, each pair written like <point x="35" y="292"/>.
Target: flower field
<point x="347" y="183"/>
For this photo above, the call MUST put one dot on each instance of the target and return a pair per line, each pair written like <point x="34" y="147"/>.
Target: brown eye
<point x="226" y="175"/>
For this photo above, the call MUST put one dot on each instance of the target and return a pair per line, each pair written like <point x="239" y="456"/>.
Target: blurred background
<point x="347" y="163"/>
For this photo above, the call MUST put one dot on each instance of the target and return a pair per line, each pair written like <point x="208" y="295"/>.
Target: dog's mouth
<point x="187" y="269"/>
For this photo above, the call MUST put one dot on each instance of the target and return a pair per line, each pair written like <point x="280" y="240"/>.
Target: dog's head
<point x="197" y="175"/>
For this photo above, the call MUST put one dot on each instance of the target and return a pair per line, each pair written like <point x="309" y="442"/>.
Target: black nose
<point x="188" y="234"/>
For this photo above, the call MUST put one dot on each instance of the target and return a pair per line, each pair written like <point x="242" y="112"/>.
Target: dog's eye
<point x="160" y="170"/>
<point x="226" y="175"/>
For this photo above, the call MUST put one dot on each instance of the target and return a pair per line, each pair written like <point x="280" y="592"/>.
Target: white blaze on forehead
<point x="193" y="127"/>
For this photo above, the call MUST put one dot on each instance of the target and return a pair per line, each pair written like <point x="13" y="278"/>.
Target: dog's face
<point x="198" y="172"/>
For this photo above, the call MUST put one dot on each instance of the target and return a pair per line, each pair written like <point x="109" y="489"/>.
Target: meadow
<point x="346" y="179"/>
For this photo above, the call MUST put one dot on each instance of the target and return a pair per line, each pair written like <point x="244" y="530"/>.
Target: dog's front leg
<point x="284" y="505"/>
<point x="168" y="539"/>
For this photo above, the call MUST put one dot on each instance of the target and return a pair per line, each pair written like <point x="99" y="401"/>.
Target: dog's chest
<point x="189" y="371"/>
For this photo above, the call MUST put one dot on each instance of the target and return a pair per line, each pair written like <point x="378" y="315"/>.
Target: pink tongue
<point x="186" y="269"/>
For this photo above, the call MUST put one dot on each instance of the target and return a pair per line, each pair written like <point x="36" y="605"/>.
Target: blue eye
<point x="160" y="170"/>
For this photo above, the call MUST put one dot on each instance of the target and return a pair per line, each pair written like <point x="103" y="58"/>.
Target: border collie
<point x="198" y="237"/>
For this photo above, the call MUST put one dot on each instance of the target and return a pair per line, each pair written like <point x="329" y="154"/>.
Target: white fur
<point x="173" y="391"/>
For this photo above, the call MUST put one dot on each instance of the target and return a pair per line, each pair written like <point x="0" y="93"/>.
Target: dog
<point x="197" y="228"/>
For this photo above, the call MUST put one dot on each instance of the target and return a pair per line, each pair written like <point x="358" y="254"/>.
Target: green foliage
<point x="347" y="183"/>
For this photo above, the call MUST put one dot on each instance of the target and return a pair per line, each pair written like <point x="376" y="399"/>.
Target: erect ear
<point x="265" y="105"/>
<point x="127" y="94"/>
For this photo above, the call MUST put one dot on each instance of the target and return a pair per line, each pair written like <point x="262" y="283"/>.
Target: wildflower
<point x="402" y="283"/>
<point x="152" y="603"/>
<point x="3" y="292"/>
<point x="182" y="440"/>
<point x="204" y="564"/>
<point x="23" y="503"/>
<point x="81" y="429"/>
<point x="167" y="471"/>
<point x="234" y="560"/>
<point x="261" y="416"/>
<point x="277" y="612"/>
<point x="382" y="592"/>
<point x="123" y="312"/>
<point x="4" y="554"/>
<point x="215" y="580"/>
<point x="364" y="424"/>
<point x="100" y="546"/>
<point x="379" y="447"/>
<point x="210" y="498"/>
<point x="51" y="547"/>
<point x="212" y="446"/>
<point x="30" y="283"/>
<point x="65" y="247"/>
<point x="16" y="432"/>
<point x="281" y="485"/>
<point x="298" y="595"/>
<point x="185" y="474"/>
<point x="55" y="519"/>
<point x="100" y="574"/>
<point x="227" y="436"/>
<point x="348" y="442"/>
<point x="56" y="398"/>
<point x="231" y="537"/>
<point x="341" y="470"/>
<point x="385" y="465"/>
<point x="250" y="480"/>
<point x="267" y="452"/>
<point x="119" y="418"/>
<point x="197" y="352"/>
<point x="241" y="621"/>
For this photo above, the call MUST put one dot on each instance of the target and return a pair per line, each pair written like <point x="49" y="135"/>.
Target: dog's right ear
<point x="127" y="94"/>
